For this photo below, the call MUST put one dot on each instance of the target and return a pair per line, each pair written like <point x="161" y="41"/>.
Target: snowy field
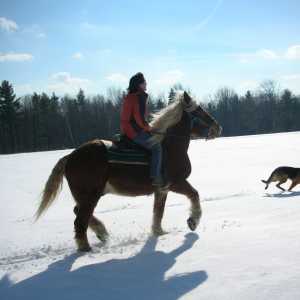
<point x="247" y="245"/>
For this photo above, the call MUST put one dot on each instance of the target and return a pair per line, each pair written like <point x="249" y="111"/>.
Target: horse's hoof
<point x="85" y="249"/>
<point x="192" y="223"/>
<point x="83" y="245"/>
<point x="159" y="232"/>
<point x="103" y="238"/>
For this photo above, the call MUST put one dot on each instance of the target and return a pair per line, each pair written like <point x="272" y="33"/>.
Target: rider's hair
<point x="135" y="81"/>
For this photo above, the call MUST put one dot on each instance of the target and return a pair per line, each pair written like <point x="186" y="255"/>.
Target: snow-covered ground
<point x="246" y="247"/>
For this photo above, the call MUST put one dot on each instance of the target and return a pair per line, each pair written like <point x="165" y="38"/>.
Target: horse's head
<point x="202" y="123"/>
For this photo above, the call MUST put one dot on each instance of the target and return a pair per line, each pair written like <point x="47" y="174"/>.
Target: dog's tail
<point x="269" y="180"/>
<point x="266" y="182"/>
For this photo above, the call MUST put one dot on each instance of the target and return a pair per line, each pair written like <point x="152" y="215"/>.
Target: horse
<point x="90" y="175"/>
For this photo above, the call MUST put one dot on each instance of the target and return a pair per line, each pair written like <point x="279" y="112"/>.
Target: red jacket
<point x="133" y="114"/>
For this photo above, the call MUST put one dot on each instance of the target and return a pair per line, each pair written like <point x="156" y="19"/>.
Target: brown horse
<point x="90" y="175"/>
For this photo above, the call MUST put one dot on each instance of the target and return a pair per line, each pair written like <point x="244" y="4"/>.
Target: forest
<point x="40" y="122"/>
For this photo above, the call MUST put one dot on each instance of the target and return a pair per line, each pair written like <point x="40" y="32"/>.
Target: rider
<point x="137" y="129"/>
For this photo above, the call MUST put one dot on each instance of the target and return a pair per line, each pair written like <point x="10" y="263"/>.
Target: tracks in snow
<point x="114" y="245"/>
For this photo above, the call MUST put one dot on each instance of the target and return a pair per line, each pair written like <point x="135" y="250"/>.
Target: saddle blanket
<point x="125" y="156"/>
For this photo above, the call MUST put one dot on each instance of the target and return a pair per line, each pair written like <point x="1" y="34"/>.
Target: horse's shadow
<point x="283" y="194"/>
<point x="141" y="276"/>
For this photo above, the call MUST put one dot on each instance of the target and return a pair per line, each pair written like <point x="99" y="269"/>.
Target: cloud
<point x="77" y="55"/>
<point x="117" y="78"/>
<point x="64" y="83"/>
<point x="293" y="52"/>
<point x="15" y="57"/>
<point x="11" y="26"/>
<point x="170" y="77"/>
<point x="265" y="54"/>
<point x="8" y="25"/>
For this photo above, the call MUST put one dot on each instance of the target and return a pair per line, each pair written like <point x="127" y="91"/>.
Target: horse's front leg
<point x="185" y="188"/>
<point x="158" y="212"/>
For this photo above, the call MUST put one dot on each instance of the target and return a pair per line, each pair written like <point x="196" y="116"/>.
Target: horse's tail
<point x="52" y="187"/>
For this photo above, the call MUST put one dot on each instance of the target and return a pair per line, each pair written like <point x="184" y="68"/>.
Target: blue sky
<point x="61" y="46"/>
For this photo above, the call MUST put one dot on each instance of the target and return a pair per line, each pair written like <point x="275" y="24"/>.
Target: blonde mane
<point x="170" y="116"/>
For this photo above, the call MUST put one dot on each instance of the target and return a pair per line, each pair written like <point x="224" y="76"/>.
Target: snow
<point x="247" y="245"/>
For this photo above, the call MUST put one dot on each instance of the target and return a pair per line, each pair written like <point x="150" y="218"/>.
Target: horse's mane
<point x="169" y="116"/>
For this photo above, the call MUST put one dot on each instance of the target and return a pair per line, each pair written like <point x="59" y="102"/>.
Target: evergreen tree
<point x="9" y="108"/>
<point x="159" y="104"/>
<point x="288" y="112"/>
<point x="80" y="100"/>
<point x="171" y="96"/>
<point x="248" y="115"/>
<point x="82" y="118"/>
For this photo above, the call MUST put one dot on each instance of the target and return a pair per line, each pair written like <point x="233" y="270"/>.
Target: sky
<point x="61" y="46"/>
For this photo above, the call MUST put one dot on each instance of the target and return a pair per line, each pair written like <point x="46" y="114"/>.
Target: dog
<point x="282" y="174"/>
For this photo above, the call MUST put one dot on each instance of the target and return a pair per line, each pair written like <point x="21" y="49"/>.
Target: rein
<point x="192" y="118"/>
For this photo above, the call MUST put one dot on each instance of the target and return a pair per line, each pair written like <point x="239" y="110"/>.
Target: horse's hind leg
<point x="158" y="212"/>
<point x="85" y="205"/>
<point x="98" y="227"/>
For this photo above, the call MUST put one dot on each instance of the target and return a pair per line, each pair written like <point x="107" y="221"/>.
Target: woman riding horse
<point x="90" y="175"/>
<point x="137" y="129"/>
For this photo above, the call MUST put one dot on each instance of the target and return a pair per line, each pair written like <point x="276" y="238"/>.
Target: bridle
<point x="194" y="119"/>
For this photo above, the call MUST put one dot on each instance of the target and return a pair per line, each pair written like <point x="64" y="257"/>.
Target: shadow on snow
<point x="141" y="276"/>
<point x="284" y="194"/>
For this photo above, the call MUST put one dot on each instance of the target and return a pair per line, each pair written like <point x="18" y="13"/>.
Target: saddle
<point x="125" y="151"/>
<point x="122" y="150"/>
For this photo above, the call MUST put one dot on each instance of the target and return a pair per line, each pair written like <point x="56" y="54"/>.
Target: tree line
<point x="40" y="122"/>
<point x="266" y="110"/>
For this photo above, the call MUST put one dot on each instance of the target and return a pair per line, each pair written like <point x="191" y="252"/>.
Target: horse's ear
<point x="186" y="97"/>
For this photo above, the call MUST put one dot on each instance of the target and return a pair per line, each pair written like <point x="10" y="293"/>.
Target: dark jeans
<point x="143" y="139"/>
